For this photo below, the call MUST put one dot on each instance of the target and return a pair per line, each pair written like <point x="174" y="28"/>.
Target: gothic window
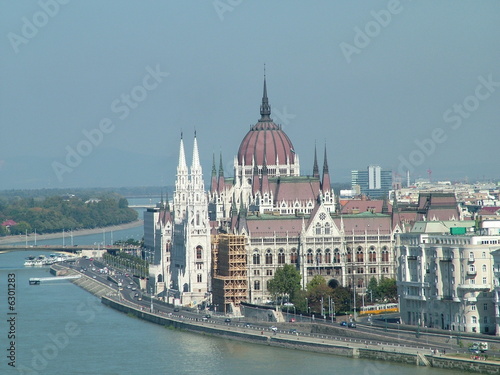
<point x="199" y="252"/>
<point x="281" y="257"/>
<point x="310" y="256"/>
<point x="256" y="285"/>
<point x="318" y="228"/>
<point x="328" y="256"/>
<point x="319" y="257"/>
<point x="349" y="255"/>
<point x="197" y="218"/>
<point x="385" y="254"/>
<point x="359" y="255"/>
<point x="372" y="255"/>
<point x="256" y="258"/>
<point x="199" y="278"/>
<point x="293" y="256"/>
<point x="269" y="257"/>
<point x="336" y="256"/>
<point x="327" y="228"/>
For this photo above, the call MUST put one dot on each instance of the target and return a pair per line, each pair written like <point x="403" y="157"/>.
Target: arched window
<point x="385" y="254"/>
<point x="372" y="255"/>
<point x="281" y="257"/>
<point x="319" y="256"/>
<point x="328" y="256"/>
<point x="256" y="258"/>
<point x="336" y="256"/>
<point x="293" y="256"/>
<point x="349" y="255"/>
<point x="199" y="252"/>
<point x="318" y="228"/>
<point x="199" y="278"/>
<point x="359" y="255"/>
<point x="310" y="256"/>
<point x="269" y="257"/>
<point x="327" y="228"/>
<point x="256" y="285"/>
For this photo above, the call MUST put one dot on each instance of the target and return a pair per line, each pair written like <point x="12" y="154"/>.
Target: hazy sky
<point x="97" y="93"/>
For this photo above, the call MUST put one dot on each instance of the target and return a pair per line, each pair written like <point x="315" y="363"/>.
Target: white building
<point x="445" y="280"/>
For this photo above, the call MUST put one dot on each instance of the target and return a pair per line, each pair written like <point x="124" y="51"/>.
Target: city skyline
<point x="98" y="94"/>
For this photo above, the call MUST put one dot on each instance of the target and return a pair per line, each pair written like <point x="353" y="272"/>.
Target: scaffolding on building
<point x="230" y="281"/>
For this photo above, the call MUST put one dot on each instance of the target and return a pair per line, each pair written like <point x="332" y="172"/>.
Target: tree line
<point x="57" y="213"/>
<point x="314" y="299"/>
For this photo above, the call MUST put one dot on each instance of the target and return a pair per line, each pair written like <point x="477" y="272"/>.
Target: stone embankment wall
<point x="301" y="342"/>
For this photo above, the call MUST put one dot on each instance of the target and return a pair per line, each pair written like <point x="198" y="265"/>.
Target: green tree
<point x="286" y="281"/>
<point x="373" y="288"/>
<point x="387" y="289"/>
<point x="317" y="293"/>
<point x="21" y="228"/>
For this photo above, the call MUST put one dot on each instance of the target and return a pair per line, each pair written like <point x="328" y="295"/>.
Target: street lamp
<point x="151" y="299"/>
<point x="354" y="293"/>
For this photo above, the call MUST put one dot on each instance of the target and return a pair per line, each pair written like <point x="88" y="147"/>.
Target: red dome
<point x="265" y="142"/>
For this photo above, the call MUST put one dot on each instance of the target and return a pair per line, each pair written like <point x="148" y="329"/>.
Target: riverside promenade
<point x="343" y="346"/>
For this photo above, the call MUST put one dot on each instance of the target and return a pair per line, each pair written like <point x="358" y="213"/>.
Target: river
<point x="61" y="329"/>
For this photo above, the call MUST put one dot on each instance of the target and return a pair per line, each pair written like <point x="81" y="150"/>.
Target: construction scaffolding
<point x="230" y="281"/>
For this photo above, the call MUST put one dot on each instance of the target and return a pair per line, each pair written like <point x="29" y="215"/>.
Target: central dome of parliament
<point x="266" y="143"/>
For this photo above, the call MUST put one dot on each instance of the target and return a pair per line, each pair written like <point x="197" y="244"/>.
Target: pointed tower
<point x="192" y="243"/>
<point x="326" y="185"/>
<point x="265" y="108"/>
<point x="213" y="181"/>
<point x="315" y="166"/>
<point x="221" y="184"/>
<point x="181" y="185"/>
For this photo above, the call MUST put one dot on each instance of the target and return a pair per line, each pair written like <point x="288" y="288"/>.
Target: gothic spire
<point x="213" y="183"/>
<point x="221" y="183"/>
<point x="326" y="184"/>
<point x="221" y="167"/>
<point x="265" y="108"/>
<point x="196" y="154"/>
<point x="182" y="155"/>
<point x="315" y="166"/>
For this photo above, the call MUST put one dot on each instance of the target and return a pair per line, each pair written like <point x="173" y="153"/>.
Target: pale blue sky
<point x="66" y="75"/>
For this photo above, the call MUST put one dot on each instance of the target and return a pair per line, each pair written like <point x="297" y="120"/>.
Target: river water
<point x="62" y="329"/>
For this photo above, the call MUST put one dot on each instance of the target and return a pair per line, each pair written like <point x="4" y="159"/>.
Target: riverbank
<point x="317" y="343"/>
<point x="82" y="232"/>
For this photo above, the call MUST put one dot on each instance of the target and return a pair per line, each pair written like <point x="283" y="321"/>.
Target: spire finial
<point x="265" y="108"/>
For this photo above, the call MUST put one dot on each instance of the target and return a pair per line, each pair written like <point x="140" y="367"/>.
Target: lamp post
<point x="151" y="299"/>
<point x="354" y="294"/>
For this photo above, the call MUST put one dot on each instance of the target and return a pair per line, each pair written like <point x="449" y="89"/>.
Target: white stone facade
<point x="446" y="281"/>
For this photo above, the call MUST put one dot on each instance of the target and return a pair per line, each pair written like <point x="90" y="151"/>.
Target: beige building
<point x="445" y="276"/>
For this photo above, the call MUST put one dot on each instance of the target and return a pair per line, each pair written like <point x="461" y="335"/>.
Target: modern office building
<point x="375" y="182"/>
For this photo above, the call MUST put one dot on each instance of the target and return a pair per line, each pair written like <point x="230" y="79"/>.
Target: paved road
<point x="388" y="340"/>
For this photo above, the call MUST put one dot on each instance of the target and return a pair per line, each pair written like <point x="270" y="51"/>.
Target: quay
<point x="319" y="343"/>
